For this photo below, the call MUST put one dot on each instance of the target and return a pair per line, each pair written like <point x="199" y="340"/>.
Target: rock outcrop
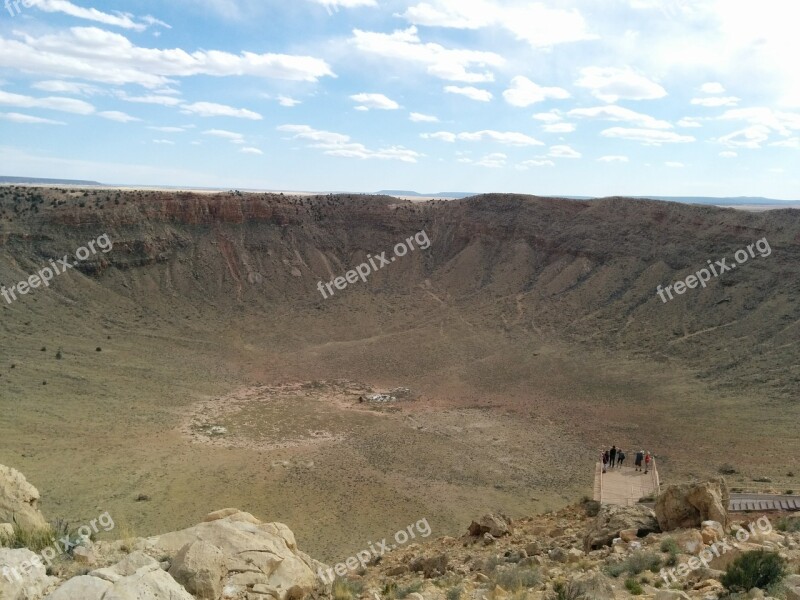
<point x="19" y="500"/>
<point x="612" y="520"/>
<point x="689" y="504"/>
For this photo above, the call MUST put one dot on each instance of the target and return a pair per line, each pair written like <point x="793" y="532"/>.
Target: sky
<point x="568" y="97"/>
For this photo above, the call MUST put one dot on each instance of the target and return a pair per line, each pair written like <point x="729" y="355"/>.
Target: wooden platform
<point x="624" y="485"/>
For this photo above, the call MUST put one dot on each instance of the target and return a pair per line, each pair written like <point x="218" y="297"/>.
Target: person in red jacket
<point x="647" y="460"/>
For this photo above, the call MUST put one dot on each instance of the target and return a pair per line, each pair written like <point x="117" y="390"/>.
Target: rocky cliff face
<point x="584" y="271"/>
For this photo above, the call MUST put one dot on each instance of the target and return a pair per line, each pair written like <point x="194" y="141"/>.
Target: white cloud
<point x="534" y="23"/>
<point x="650" y="137"/>
<point x="288" y="102"/>
<point x="70" y="105"/>
<point x="338" y="144"/>
<point x="559" y="128"/>
<point x="563" y="151"/>
<point x="611" y="84"/>
<point x="614" y="158"/>
<point x="524" y="92"/>
<point x="150" y="99"/>
<point x="443" y="136"/>
<point x="346" y="3"/>
<point x="495" y="160"/>
<point x="712" y="88"/>
<point x="510" y="138"/>
<point x="94" y="54"/>
<point x="66" y="87"/>
<point x="119" y="19"/>
<point x="15" y="117"/>
<point x="374" y="101"/>
<point x="467" y="66"/>
<point x="778" y="121"/>
<point x="250" y="150"/>
<point x="115" y="115"/>
<point x="549" y="117"/>
<point x="164" y="142"/>
<point x="535" y="163"/>
<point x="168" y="129"/>
<point x="689" y="122"/>
<point x="750" y="137"/>
<point x="421" y="118"/>
<point x="728" y="154"/>
<point x="470" y="92"/>
<point x="211" y="109"/>
<point x="618" y="113"/>
<point x="674" y="164"/>
<point x="231" y="136"/>
<point x="788" y="143"/>
<point x="777" y="170"/>
<point x="716" y="101"/>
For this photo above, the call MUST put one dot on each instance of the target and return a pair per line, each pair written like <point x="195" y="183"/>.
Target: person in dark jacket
<point x="620" y="457"/>
<point x="639" y="458"/>
<point x="613" y="455"/>
<point x="605" y="461"/>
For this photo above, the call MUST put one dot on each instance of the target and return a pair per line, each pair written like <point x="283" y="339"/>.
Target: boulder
<point x="136" y="562"/>
<point x="595" y="586"/>
<point x="199" y="567"/>
<point x="252" y="552"/>
<point x="150" y="585"/>
<point x="84" y="587"/>
<point x="613" y="519"/>
<point x="22" y="575"/>
<point x="434" y="566"/>
<point x="689" y="504"/>
<point x="495" y="525"/>
<point x="19" y="500"/>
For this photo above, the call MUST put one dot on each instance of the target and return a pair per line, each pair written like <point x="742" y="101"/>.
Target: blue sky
<point x="577" y="97"/>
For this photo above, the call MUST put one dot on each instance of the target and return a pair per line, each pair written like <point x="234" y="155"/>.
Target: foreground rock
<point x="21" y="578"/>
<point x="689" y="504"/>
<point x="19" y="500"/>
<point x="611" y="521"/>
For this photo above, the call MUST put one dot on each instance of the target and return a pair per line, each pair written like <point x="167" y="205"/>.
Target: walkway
<point x="624" y="485"/>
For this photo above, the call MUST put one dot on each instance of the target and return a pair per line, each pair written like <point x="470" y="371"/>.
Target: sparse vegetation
<point x="566" y="591"/>
<point x="788" y="524"/>
<point x="515" y="578"/>
<point x="634" y="587"/>
<point x="346" y="589"/>
<point x="756" y="569"/>
<point x="635" y="564"/>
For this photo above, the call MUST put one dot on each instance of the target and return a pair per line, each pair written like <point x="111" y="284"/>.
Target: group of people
<point x="616" y="456"/>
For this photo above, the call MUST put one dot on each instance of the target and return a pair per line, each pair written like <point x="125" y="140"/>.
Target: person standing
<point x="639" y="458"/>
<point x="605" y="460"/>
<point x="620" y="457"/>
<point x="613" y="455"/>
<point x="647" y="460"/>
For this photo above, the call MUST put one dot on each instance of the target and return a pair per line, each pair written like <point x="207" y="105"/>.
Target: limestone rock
<point x="689" y="504"/>
<point x="253" y="552"/>
<point x="22" y="575"/>
<point x="199" y="567"/>
<point x="151" y="585"/>
<point x="84" y="587"/>
<point x="671" y="595"/>
<point x="495" y="525"/>
<point x="434" y="566"/>
<point x="19" y="500"/>
<point x="612" y="519"/>
<point x="595" y="586"/>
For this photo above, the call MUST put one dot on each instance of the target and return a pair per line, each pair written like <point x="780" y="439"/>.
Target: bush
<point x="408" y="589"/>
<point x="516" y="578"/>
<point x="788" y="524"/>
<point x="344" y="589"/>
<point x="32" y="539"/>
<point x="758" y="568"/>
<point x="455" y="593"/>
<point x="671" y="546"/>
<point x="635" y="564"/>
<point x="633" y="586"/>
<point x="566" y="591"/>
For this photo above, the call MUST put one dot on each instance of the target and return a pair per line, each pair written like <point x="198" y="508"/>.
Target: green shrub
<point x="32" y="539"/>
<point x="758" y="568"/>
<point x="566" y="591"/>
<point x="404" y="591"/>
<point x="635" y="564"/>
<point x="671" y="546"/>
<point x="345" y="589"/>
<point x="788" y="524"/>
<point x="455" y="593"/>
<point x="515" y="578"/>
<point x="633" y="586"/>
